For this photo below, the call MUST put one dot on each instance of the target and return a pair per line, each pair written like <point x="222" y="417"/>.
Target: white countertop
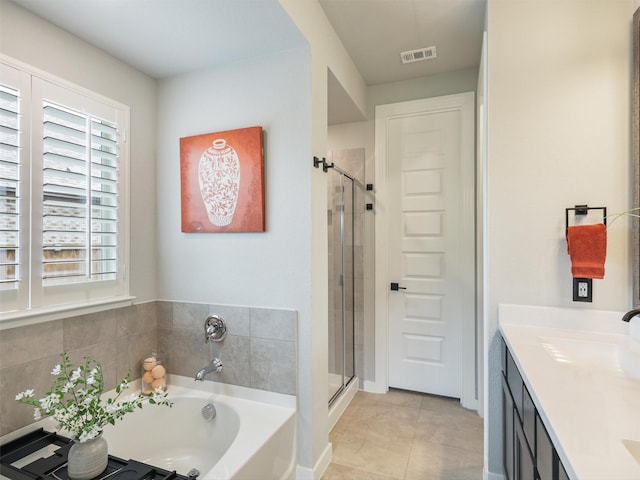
<point x="588" y="408"/>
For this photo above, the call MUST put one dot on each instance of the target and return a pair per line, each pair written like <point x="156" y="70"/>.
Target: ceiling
<point x="374" y="32"/>
<point x="169" y="37"/>
<point x="163" y="38"/>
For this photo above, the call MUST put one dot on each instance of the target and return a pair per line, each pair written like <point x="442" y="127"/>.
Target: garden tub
<point x="252" y="435"/>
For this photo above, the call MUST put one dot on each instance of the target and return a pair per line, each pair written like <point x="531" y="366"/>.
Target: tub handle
<point x="214" y="329"/>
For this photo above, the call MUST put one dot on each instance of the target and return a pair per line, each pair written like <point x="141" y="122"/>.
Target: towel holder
<point x="583" y="210"/>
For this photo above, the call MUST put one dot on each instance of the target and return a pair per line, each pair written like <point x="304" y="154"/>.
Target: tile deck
<point x="406" y="436"/>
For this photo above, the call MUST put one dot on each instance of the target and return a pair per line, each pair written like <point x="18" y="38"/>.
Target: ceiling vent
<point x="418" y="55"/>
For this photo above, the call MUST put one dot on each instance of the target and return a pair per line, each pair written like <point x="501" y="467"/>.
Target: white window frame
<point x="32" y="302"/>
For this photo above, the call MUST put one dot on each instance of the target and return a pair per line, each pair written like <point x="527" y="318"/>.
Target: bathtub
<point x="252" y="436"/>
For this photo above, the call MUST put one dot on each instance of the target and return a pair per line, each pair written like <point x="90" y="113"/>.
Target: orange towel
<point x="587" y="246"/>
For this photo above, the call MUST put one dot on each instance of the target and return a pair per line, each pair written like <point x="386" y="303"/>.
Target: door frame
<point x="465" y="104"/>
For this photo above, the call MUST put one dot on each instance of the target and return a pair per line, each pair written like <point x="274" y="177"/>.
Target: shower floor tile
<point x="406" y="436"/>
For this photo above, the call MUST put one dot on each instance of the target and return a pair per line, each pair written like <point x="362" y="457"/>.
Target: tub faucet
<point x="630" y="314"/>
<point x="214" y="366"/>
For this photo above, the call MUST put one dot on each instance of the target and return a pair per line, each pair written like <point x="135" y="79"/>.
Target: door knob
<point x="396" y="287"/>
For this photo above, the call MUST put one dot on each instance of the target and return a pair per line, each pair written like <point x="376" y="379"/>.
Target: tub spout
<point x="214" y="366"/>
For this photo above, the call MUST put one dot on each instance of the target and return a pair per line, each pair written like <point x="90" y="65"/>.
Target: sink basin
<point x="614" y="356"/>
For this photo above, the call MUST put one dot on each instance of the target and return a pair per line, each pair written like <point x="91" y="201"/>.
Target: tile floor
<point x="406" y="436"/>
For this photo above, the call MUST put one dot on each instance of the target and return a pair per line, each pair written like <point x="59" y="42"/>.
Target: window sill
<point x="30" y="317"/>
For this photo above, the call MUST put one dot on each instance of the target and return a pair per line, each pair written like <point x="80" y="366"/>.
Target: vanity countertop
<point x="582" y="371"/>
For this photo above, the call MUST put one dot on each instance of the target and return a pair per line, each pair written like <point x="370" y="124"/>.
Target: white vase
<point x="219" y="179"/>
<point x="88" y="459"/>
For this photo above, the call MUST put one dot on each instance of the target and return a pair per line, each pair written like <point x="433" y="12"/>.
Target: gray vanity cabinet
<point x="528" y="452"/>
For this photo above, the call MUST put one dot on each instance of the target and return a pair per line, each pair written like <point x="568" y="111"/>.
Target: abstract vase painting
<point x="219" y="180"/>
<point x="222" y="181"/>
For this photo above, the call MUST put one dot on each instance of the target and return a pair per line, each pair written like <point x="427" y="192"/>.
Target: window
<point x="63" y="194"/>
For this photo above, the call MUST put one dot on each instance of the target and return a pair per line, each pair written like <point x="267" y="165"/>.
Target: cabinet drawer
<point x="528" y="418"/>
<point x="562" y="474"/>
<point x="524" y="461"/>
<point x="545" y="453"/>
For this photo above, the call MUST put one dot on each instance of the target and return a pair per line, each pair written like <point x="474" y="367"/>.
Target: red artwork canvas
<point x="222" y="180"/>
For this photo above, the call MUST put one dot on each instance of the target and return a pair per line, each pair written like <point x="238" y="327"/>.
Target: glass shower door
<point x="341" y="283"/>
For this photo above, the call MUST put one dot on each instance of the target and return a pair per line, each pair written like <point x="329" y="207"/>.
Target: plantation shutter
<point x="14" y="189"/>
<point x="10" y="140"/>
<point x="105" y="199"/>
<point x="64" y="220"/>
<point x="78" y="233"/>
<point x="80" y="197"/>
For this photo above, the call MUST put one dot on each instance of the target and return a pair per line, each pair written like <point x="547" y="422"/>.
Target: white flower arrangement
<point x="75" y="399"/>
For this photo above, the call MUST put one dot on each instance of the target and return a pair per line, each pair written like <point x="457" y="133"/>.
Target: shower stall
<point x="344" y="216"/>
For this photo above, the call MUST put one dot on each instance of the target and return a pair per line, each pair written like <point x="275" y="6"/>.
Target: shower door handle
<point x="395" y="287"/>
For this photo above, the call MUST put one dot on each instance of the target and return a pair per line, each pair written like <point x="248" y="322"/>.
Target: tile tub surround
<point x="588" y="411"/>
<point x="259" y="350"/>
<point x="117" y="338"/>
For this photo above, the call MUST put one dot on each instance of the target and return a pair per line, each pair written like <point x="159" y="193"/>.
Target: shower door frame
<point x="345" y="383"/>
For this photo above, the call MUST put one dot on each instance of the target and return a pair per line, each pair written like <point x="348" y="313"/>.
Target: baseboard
<point x="373" y="387"/>
<point x="304" y="473"/>
<point x="492" y="476"/>
<point x="470" y="403"/>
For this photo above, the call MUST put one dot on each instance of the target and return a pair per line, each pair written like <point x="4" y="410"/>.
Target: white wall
<point x="40" y="44"/>
<point x="268" y="269"/>
<point x="558" y="135"/>
<point x="326" y="53"/>
<point x="458" y="81"/>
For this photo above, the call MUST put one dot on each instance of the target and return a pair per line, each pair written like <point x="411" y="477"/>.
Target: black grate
<point x="49" y="452"/>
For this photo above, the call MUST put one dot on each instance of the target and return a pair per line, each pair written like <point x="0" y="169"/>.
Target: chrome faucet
<point x="214" y="329"/>
<point x="630" y="314"/>
<point x="214" y="366"/>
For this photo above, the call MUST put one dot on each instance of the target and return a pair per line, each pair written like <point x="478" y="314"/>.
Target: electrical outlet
<point x="582" y="290"/>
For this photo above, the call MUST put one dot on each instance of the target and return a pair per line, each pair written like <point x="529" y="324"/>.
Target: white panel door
<point x="424" y="216"/>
